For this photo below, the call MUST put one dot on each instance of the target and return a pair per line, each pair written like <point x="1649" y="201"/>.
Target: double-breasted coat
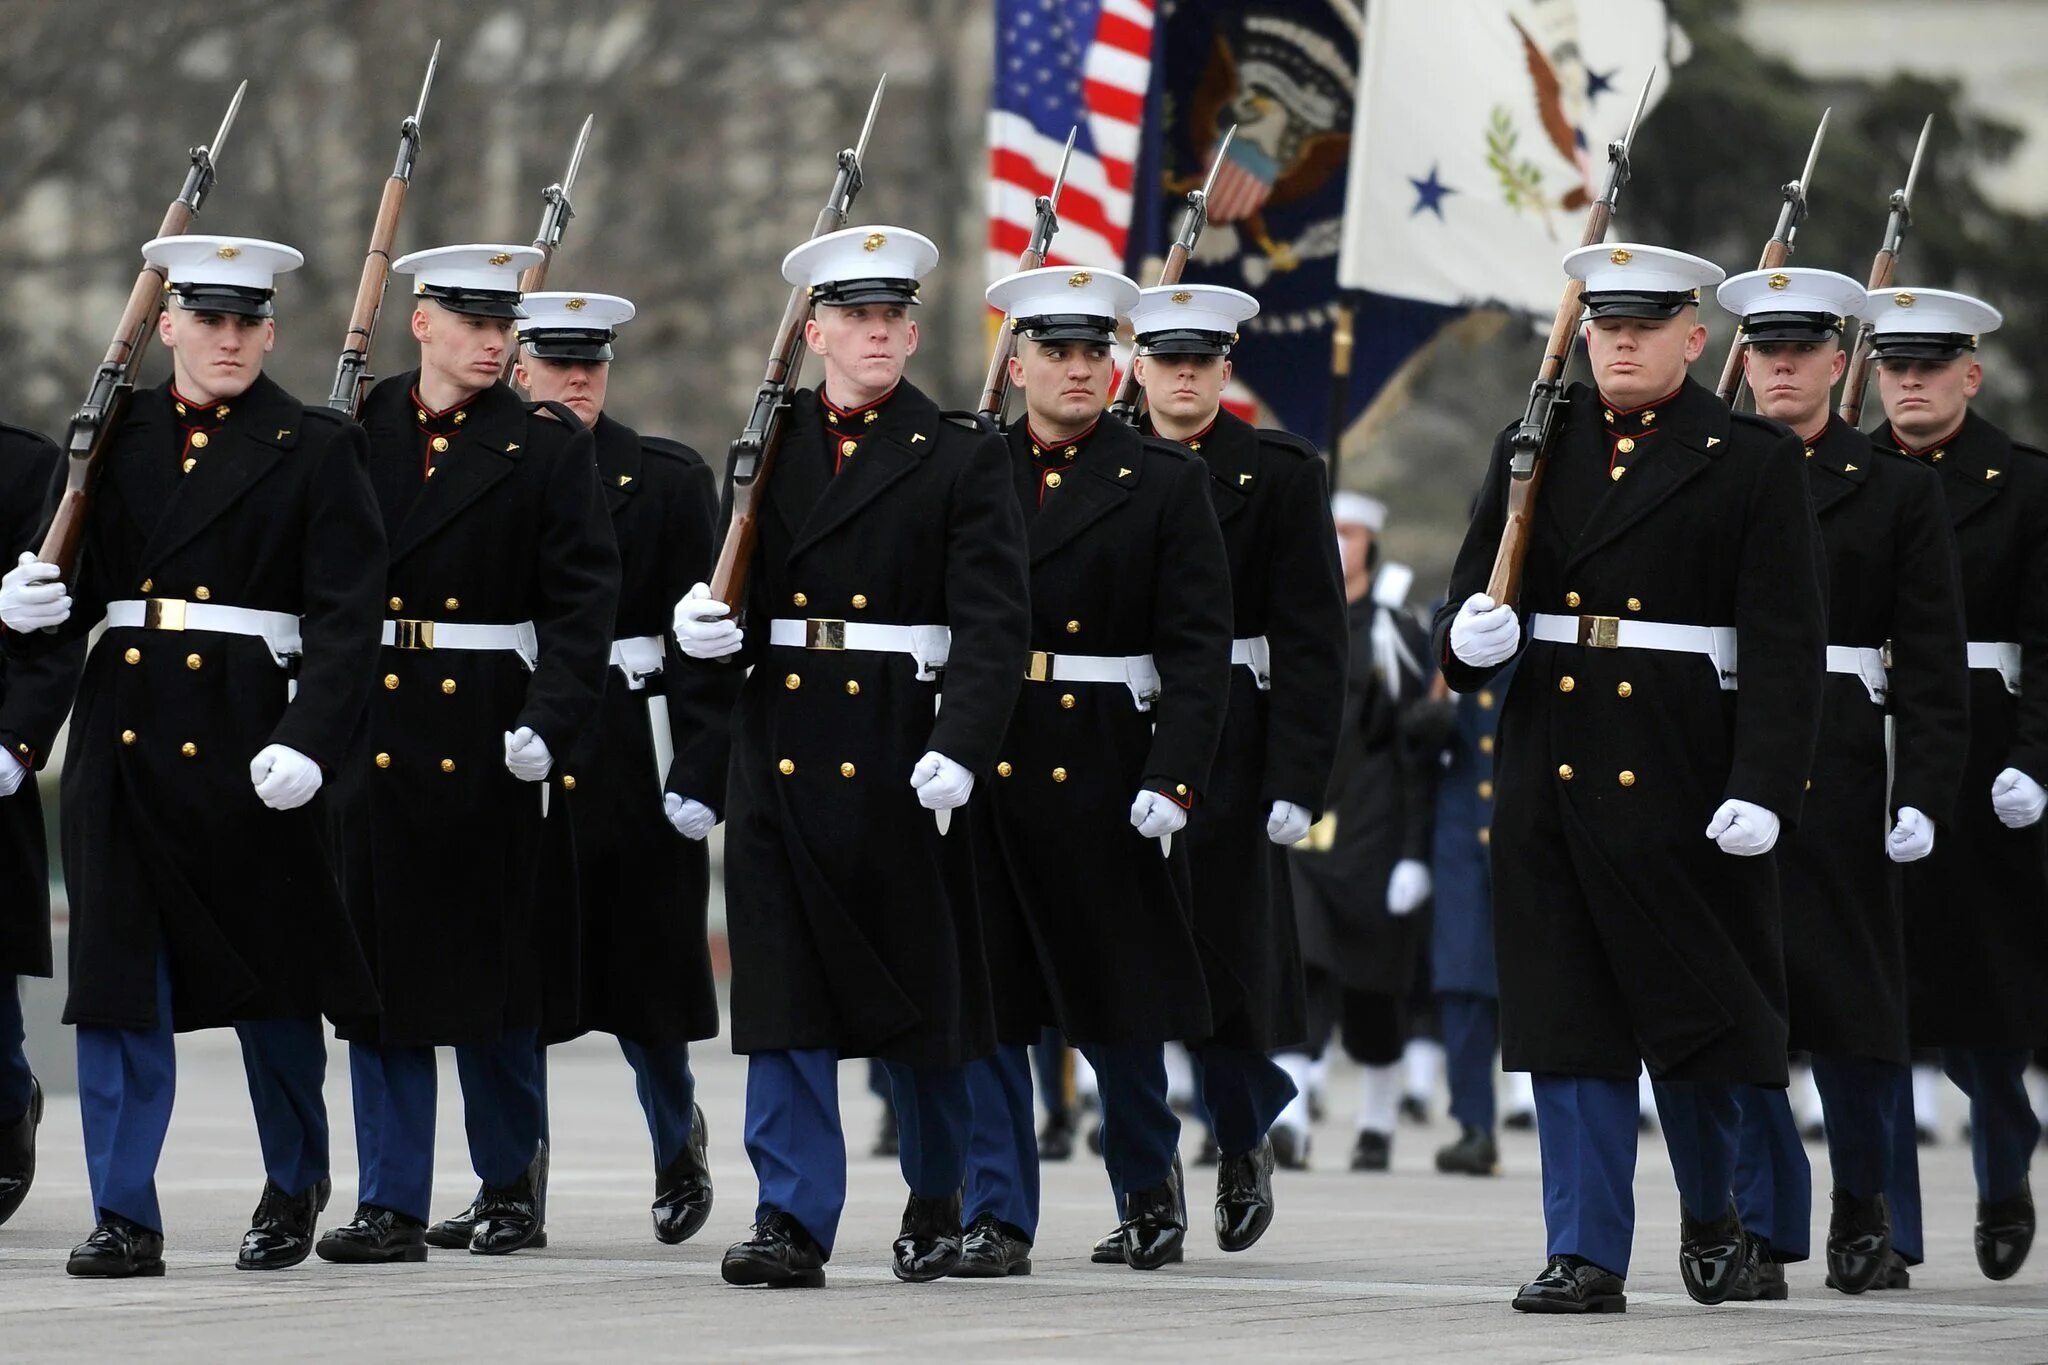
<point x="1623" y="933"/>
<point x="494" y="518"/>
<point x="1287" y="587"/>
<point x="257" y="502"/>
<point x="1092" y="928"/>
<point x="1892" y="580"/>
<point x="1461" y="910"/>
<point x="1977" y="907"/>
<point x="852" y="920"/>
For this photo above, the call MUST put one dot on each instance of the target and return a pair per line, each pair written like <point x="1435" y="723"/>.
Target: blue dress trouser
<point x="1002" y="1149"/>
<point x="395" y="1093"/>
<point x="1140" y="1131"/>
<point x="1241" y="1092"/>
<point x="2003" y="1129"/>
<point x="666" y="1087"/>
<point x="1773" y="1181"/>
<point x="16" y="1090"/>
<point x="1902" y="1172"/>
<point x="1471" y="1040"/>
<point x="127" y="1079"/>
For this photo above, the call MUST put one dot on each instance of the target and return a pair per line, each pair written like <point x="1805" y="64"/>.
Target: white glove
<point x="1288" y="823"/>
<point x="1911" y="839"/>
<point x="284" y="778"/>
<point x="692" y="819"/>
<point x="702" y="626"/>
<point x="526" y="754"/>
<point x="1484" y="633"/>
<point x="1743" y="829"/>
<point x="941" y="783"/>
<point x="2017" y="798"/>
<point x="1155" y="817"/>
<point x="33" y="596"/>
<point x="1408" y="887"/>
<point x="11" y="774"/>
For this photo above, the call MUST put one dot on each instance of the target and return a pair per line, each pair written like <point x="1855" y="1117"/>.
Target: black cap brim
<point x="1921" y="345"/>
<point x="1186" y="341"/>
<point x="1764" y="327"/>
<point x="847" y="293"/>
<point x="555" y="345"/>
<point x="1628" y="304"/>
<point x="223" y="298"/>
<point x="476" y="303"/>
<point x="1068" y="327"/>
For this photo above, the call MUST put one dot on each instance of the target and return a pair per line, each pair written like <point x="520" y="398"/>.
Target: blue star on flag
<point x="1430" y="194"/>
<point x="1599" y="83"/>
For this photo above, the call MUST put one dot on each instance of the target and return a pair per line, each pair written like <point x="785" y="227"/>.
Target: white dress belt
<point x="928" y="646"/>
<point x="519" y="639"/>
<point x="1256" y="655"/>
<point x="277" y="629"/>
<point x="2001" y="655"/>
<point x="1867" y="664"/>
<point x="1717" y="643"/>
<point x="639" y="657"/>
<point x="1138" y="672"/>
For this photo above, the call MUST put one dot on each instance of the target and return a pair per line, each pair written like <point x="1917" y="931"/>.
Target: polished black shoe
<point x="1926" y="1135"/>
<point x="1316" y="1107"/>
<point x="18" y="1153"/>
<point x="513" y="1218"/>
<point x="1572" y="1284"/>
<point x="375" y="1236"/>
<point x="682" y="1189"/>
<point x="1474" y="1153"/>
<point x="780" y="1254"/>
<point x="887" y="1141"/>
<point x="1415" y="1110"/>
<point x="453" y="1234"/>
<point x="1521" y="1121"/>
<point x="2005" y="1233"/>
<point x="1859" y="1242"/>
<point x="1290" y="1148"/>
<point x="1761" y="1277"/>
<point x="118" y="1249"/>
<point x="1156" y="1223"/>
<point x="1095" y="1138"/>
<point x="280" y="1232"/>
<point x="1208" y="1154"/>
<point x="1813" y="1131"/>
<point x="1056" y="1139"/>
<point x="1710" y="1255"/>
<point x="1244" y="1197"/>
<point x="1373" y="1151"/>
<point x="927" y="1243"/>
<point x="994" y="1250"/>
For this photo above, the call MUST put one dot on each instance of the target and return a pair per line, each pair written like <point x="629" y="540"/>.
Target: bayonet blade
<point x="576" y="157"/>
<point x="433" y="60"/>
<point x="220" y="135"/>
<point x="1222" y="148"/>
<point x="1635" y="120"/>
<point x="874" y="107"/>
<point x="1059" y="181"/>
<point x="1813" y="154"/>
<point x="1913" y="171"/>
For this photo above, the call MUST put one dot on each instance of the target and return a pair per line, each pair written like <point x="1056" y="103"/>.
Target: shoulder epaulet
<point x="979" y="422"/>
<point x="2026" y="449"/>
<point x="1159" y="445"/>
<point x="1289" y="442"/>
<point x="321" y="414"/>
<point x="27" y="433"/>
<point x="674" y="450"/>
<point x="1775" y="429"/>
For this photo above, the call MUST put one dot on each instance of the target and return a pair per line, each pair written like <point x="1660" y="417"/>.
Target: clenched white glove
<point x="1911" y="839"/>
<point x="1484" y="632"/>
<point x="692" y="819"/>
<point x="12" y="772"/>
<point x="284" y="778"/>
<point x="703" y="626"/>
<point x="526" y="754"/>
<point x="32" y="595"/>
<point x="941" y="784"/>
<point x="1408" y="887"/>
<point x="1743" y="829"/>
<point x="2017" y="798"/>
<point x="1288" y="823"/>
<point x="1154" y="816"/>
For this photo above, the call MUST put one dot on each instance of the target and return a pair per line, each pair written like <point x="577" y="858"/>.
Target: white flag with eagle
<point x="1480" y="139"/>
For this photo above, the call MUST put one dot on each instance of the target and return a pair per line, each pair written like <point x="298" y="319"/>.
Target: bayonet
<point x="995" y="389"/>
<point x="1777" y="252"/>
<point x="1883" y="270"/>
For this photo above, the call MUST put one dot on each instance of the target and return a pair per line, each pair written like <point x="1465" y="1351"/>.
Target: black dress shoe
<point x="375" y="1236"/>
<point x="1761" y="1277"/>
<point x="1572" y="1284"/>
<point x="1415" y="1110"/>
<point x="18" y="1153"/>
<point x="1813" y="1131"/>
<point x="682" y="1189"/>
<point x="780" y="1254"/>
<point x="1244" y="1197"/>
<point x="2005" y="1233"/>
<point x="118" y="1249"/>
<point x="281" y="1230"/>
<point x="1710" y="1254"/>
<point x="887" y="1141"/>
<point x="927" y="1244"/>
<point x="1859" y="1242"/>
<point x="1056" y="1139"/>
<point x="1095" y="1138"/>
<point x="993" y="1250"/>
<point x="1521" y="1121"/>
<point x="1208" y="1154"/>
<point x="453" y="1234"/>
<point x="1316" y="1108"/>
<point x="1156" y="1223"/>
<point x="513" y="1218"/>
<point x="1373" y="1151"/>
<point x="1474" y="1153"/>
<point x="1926" y="1135"/>
<point x="1290" y="1148"/>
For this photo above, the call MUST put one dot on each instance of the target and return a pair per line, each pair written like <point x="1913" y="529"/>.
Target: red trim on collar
<point x="1666" y="401"/>
<point x="1201" y="435"/>
<point x="1076" y="439"/>
<point x="1905" y="449"/>
<point x="838" y="411"/>
<point x="419" y="404"/>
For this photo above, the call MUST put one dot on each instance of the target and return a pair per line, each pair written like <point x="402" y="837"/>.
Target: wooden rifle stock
<point x="1505" y="583"/>
<point x="352" y="378"/>
<point x="1883" y="271"/>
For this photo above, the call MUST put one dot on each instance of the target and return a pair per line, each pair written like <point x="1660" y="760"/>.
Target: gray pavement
<point x="1408" y="1265"/>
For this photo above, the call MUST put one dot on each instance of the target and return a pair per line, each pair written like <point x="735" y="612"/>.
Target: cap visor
<point x="245" y="303"/>
<point x="558" y="348"/>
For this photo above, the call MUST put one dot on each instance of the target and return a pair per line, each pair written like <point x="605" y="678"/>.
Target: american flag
<point x="1062" y="63"/>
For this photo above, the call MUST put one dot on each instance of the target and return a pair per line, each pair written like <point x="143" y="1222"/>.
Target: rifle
<point x="1128" y="396"/>
<point x="1883" y="269"/>
<point x="556" y="211"/>
<point x="1777" y="252"/>
<point x="1545" y="413"/>
<point x="113" y="383"/>
<point x="352" y="374"/>
<point x="995" y="390"/>
<point x="752" y="453"/>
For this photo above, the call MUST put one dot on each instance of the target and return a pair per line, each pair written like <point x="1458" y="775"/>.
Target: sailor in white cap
<point x="1643" y="781"/>
<point x="1976" y="941"/>
<point x="1286" y="707"/>
<point x="497" y="633"/>
<point x="848" y="862"/>
<point x="236" y="557"/>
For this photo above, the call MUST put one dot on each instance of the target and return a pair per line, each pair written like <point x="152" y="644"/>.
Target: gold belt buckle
<point x="1600" y="632"/>
<point x="1038" y="667"/>
<point x="408" y="634"/>
<point x="824" y="634"/>
<point x="164" y="613"/>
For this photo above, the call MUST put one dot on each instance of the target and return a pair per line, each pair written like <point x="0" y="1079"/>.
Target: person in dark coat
<point x="234" y="552"/>
<point x="858" y="736"/>
<point x="1362" y="875"/>
<point x="1272" y="766"/>
<point x="1643" y="780"/>
<point x="499" y="605"/>
<point x="1085" y="886"/>
<point x="1896" y="701"/>
<point x="1976" y="937"/>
